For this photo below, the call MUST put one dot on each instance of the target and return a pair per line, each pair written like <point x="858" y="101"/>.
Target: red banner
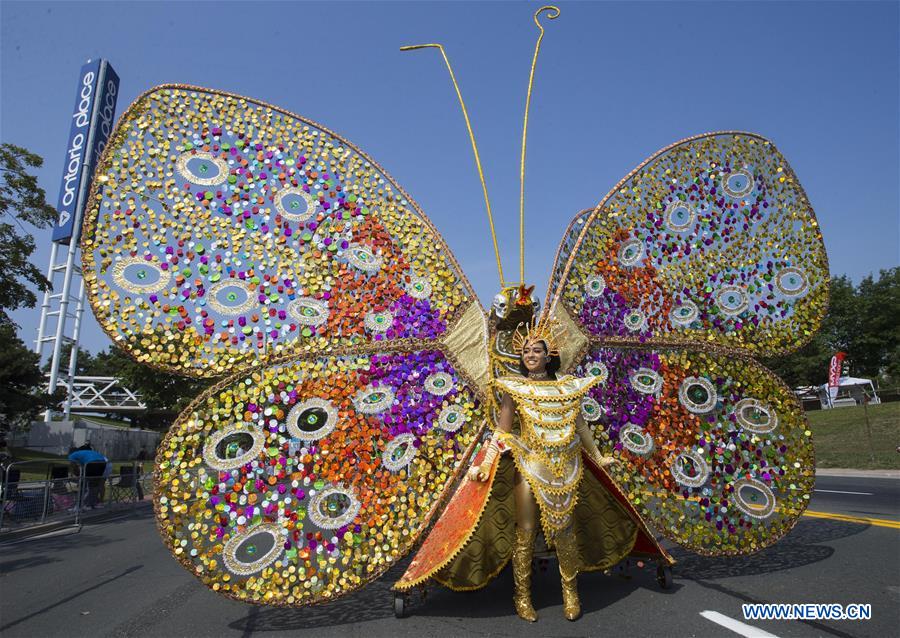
<point x="834" y="374"/>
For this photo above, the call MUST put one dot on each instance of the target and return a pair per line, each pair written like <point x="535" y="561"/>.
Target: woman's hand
<point x="479" y="473"/>
<point x="606" y="461"/>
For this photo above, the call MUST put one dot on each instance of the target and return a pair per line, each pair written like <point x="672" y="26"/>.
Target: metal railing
<point x="65" y="495"/>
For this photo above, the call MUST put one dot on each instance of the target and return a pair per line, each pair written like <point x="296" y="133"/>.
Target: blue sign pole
<point x="92" y="122"/>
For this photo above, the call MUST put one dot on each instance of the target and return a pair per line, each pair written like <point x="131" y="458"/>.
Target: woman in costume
<point x="226" y="237"/>
<point x="547" y="453"/>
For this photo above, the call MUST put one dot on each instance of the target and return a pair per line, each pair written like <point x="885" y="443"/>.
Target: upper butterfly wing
<point x="710" y="240"/>
<point x="222" y="230"/>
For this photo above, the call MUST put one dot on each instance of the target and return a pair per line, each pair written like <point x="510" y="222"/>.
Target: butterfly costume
<point x="361" y="376"/>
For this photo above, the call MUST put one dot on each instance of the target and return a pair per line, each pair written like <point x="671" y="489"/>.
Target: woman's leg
<point x="526" y="528"/>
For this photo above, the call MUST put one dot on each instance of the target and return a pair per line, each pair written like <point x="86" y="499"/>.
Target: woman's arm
<point x="587" y="442"/>
<point x="481" y="472"/>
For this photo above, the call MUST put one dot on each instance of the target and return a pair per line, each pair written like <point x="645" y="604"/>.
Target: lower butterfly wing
<point x="300" y="481"/>
<point x="711" y="240"/>
<point x="716" y="452"/>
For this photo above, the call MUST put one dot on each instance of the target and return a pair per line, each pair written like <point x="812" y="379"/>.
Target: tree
<point x="84" y="363"/>
<point x="22" y="392"/>
<point x="21" y="199"/>
<point x="862" y="322"/>
<point x="875" y="351"/>
<point x="164" y="394"/>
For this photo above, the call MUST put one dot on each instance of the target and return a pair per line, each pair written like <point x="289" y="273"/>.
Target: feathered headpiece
<point x="548" y="330"/>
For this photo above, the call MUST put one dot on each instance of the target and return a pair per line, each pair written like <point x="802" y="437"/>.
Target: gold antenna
<point x="487" y="201"/>
<point x="553" y="14"/>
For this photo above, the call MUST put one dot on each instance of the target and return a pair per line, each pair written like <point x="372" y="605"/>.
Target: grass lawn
<point x="841" y="441"/>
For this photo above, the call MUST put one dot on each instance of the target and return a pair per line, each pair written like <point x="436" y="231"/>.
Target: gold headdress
<point x="548" y="330"/>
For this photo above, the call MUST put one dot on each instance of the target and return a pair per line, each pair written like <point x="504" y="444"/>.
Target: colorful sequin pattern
<point x="711" y="240"/>
<point x="716" y="451"/>
<point x="302" y="481"/>
<point x="223" y="230"/>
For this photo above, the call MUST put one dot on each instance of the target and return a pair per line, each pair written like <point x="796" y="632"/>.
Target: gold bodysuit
<point x="547" y="451"/>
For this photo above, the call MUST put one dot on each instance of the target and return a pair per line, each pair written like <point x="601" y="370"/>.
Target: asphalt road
<point x="117" y="579"/>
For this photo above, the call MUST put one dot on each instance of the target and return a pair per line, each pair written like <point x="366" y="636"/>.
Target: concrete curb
<point x="851" y="473"/>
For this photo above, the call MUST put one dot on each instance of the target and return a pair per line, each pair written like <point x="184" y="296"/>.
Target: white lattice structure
<point x="102" y="394"/>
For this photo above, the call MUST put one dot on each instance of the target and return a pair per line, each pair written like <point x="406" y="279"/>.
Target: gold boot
<point x="521" y="563"/>
<point x="569" y="563"/>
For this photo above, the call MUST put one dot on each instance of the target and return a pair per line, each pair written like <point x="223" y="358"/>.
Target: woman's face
<point x="534" y="356"/>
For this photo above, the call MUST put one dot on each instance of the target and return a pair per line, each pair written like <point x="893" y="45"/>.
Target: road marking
<point x="879" y="522"/>
<point x="736" y="626"/>
<point x="840" y="492"/>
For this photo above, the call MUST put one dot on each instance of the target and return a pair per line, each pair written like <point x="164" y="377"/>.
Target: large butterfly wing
<point x="223" y="230"/>
<point x="300" y="481"/>
<point x="711" y="240"/>
<point x="708" y="253"/>
<point x="716" y="453"/>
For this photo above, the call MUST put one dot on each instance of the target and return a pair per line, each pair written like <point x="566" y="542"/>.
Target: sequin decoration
<point x="635" y="321"/>
<point x="439" y="384"/>
<point x="233" y="447"/>
<point x="590" y="409"/>
<point x="379" y="322"/>
<point x="419" y="288"/>
<point x="312" y="420"/>
<point x="138" y="275"/>
<point x="244" y="232"/>
<point x="754" y="498"/>
<point x="698" y="395"/>
<point x="704" y="461"/>
<point x="732" y="300"/>
<point x="713" y="239"/>
<point x="684" y="314"/>
<point x="679" y="216"/>
<point x="635" y="440"/>
<point x="374" y="400"/>
<point x="690" y="469"/>
<point x="203" y="169"/>
<point x="595" y="286"/>
<point x="451" y="418"/>
<point x="738" y="183"/>
<point x="307" y="311"/>
<point x="231" y="297"/>
<point x="399" y="452"/>
<point x="295" y="204"/>
<point x="364" y="259"/>
<point x="243" y="555"/>
<point x="791" y="282"/>
<point x="598" y="369"/>
<point x="754" y="416"/>
<point x="631" y="252"/>
<point x="279" y="486"/>
<point x="646" y="381"/>
<point x="333" y="507"/>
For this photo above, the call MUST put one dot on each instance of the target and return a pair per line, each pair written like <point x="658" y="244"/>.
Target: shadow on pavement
<point x="75" y="595"/>
<point x="372" y="602"/>
<point x="375" y="601"/>
<point x="800" y="547"/>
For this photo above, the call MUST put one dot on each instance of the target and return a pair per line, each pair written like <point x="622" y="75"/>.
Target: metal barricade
<point x="37" y="492"/>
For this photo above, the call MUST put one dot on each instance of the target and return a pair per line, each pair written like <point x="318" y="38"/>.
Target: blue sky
<point x="616" y="81"/>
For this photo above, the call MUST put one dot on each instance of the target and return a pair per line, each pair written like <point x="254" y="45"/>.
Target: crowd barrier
<point x="65" y="495"/>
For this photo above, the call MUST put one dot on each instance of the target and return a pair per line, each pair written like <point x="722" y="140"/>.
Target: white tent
<point x="851" y="391"/>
